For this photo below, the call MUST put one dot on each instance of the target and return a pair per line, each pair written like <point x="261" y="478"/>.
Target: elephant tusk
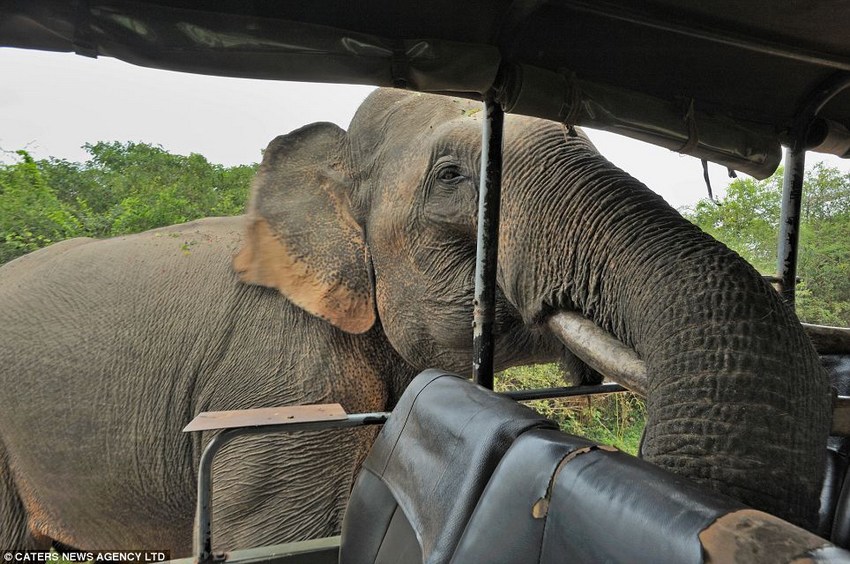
<point x="603" y="352"/>
<point x="600" y="350"/>
<point x="829" y="340"/>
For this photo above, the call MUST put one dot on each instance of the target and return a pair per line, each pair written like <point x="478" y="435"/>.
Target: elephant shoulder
<point x="218" y="230"/>
<point x="47" y="254"/>
<point x="186" y="254"/>
<point x="211" y="226"/>
<point x="210" y="239"/>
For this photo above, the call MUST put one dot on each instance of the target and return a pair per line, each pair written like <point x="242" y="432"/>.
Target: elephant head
<point x="376" y="226"/>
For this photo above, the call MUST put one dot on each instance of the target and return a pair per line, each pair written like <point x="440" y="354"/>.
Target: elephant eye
<point x="450" y="175"/>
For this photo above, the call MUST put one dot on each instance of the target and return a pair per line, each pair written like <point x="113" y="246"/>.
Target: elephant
<point x="351" y="272"/>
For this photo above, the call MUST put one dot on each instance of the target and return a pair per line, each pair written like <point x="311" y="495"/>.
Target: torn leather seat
<point x="427" y="469"/>
<point x="556" y="498"/>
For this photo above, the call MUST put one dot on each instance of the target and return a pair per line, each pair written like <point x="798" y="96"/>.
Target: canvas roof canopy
<point x="726" y="81"/>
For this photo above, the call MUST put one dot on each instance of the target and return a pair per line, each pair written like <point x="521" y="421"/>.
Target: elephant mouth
<point x="520" y="343"/>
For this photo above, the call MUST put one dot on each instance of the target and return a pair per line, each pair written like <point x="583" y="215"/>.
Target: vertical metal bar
<point x="484" y="313"/>
<point x="789" y="223"/>
<point x="203" y="510"/>
<point x="203" y="514"/>
<point x="792" y="185"/>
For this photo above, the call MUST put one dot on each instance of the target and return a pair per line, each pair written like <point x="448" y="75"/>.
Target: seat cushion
<point x="837" y="366"/>
<point x="608" y="506"/>
<point x="375" y="529"/>
<point x="834" y="516"/>
<point x="503" y="528"/>
<point x="833" y="501"/>
<point x="556" y="498"/>
<point x="428" y="467"/>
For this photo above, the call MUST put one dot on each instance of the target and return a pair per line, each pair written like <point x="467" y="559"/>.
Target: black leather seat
<point x="556" y="498"/>
<point x="460" y="474"/>
<point x="834" y="522"/>
<point x="427" y="469"/>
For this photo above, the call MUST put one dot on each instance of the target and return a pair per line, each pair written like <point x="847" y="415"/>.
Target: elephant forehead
<point x="518" y="128"/>
<point x="388" y="109"/>
<point x="460" y="137"/>
<point x="389" y="114"/>
<point x="386" y="104"/>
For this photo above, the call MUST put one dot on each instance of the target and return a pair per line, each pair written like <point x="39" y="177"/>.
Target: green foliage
<point x="747" y="220"/>
<point x="613" y="419"/>
<point x="31" y="216"/>
<point x="123" y="188"/>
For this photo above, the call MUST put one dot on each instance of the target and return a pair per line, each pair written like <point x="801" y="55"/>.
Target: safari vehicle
<point x="728" y="82"/>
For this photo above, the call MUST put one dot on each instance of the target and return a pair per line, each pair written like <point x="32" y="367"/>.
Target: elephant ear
<point x="302" y="238"/>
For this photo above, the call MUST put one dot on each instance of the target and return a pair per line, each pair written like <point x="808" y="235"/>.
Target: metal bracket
<point x="265" y="416"/>
<point x="240" y="423"/>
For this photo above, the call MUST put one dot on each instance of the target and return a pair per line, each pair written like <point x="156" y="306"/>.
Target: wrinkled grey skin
<point x="109" y="348"/>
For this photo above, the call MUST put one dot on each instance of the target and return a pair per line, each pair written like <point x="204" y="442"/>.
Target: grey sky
<point x="53" y="103"/>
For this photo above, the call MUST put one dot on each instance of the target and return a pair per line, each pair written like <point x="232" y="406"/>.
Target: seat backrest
<point x="834" y="518"/>
<point x="556" y="498"/>
<point x="837" y="366"/>
<point x="427" y="469"/>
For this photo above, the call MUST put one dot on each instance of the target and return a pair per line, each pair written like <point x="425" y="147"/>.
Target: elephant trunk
<point x="736" y="396"/>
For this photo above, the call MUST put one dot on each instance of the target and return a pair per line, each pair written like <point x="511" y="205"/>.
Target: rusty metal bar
<point x="792" y="185"/>
<point x="773" y="279"/>
<point x="265" y="416"/>
<point x="829" y="340"/>
<point x="789" y="223"/>
<point x="484" y="305"/>
<point x="203" y="541"/>
<point x="563" y="392"/>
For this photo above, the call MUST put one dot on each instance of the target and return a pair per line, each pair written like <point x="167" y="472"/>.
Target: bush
<point x="31" y="216"/>
<point x="614" y="419"/>
<point x="124" y="188"/>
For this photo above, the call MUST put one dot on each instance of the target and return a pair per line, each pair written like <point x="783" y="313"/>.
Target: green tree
<point x="123" y="188"/>
<point x="826" y="195"/>
<point x="747" y="220"/>
<point x="31" y="215"/>
<point x="140" y="186"/>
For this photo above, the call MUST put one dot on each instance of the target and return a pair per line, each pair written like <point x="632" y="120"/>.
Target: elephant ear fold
<point x="302" y="238"/>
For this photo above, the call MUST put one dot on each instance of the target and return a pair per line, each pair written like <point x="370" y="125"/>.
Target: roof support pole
<point x="789" y="222"/>
<point x="489" y="194"/>
<point x="792" y="185"/>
